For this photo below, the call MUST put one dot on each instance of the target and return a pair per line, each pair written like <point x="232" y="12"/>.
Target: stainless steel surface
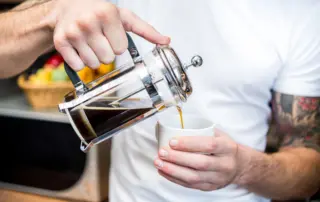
<point x="149" y="85"/>
<point x="175" y="73"/>
<point x="196" y="61"/>
<point x="131" y="94"/>
<point x="161" y="64"/>
<point x="81" y="88"/>
<point x="164" y="57"/>
<point x="106" y="83"/>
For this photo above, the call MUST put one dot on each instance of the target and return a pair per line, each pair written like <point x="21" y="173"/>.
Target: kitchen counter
<point x="9" y="196"/>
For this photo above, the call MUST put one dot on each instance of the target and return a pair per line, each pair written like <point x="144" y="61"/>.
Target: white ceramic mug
<point x="169" y="127"/>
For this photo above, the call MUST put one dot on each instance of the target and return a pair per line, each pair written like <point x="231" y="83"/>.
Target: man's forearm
<point x="289" y="174"/>
<point x="24" y="36"/>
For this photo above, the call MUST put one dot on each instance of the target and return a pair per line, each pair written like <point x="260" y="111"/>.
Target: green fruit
<point x="59" y="75"/>
<point x="39" y="71"/>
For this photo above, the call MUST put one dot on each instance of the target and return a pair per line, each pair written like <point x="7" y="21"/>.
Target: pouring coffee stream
<point x="100" y="109"/>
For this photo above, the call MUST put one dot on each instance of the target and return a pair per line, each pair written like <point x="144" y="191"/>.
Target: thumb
<point x="133" y="23"/>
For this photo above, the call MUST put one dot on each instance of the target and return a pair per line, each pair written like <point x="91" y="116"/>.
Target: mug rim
<point x="162" y="125"/>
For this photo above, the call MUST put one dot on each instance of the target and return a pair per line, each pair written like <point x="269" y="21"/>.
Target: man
<point x="250" y="48"/>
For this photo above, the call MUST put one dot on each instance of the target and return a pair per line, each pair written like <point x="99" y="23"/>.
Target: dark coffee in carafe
<point x="100" y="117"/>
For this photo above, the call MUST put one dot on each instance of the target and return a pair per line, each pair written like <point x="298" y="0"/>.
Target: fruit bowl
<point x="47" y="95"/>
<point x="47" y="87"/>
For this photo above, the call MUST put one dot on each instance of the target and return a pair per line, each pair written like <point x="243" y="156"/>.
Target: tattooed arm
<point x="280" y="137"/>
<point x="292" y="169"/>
<point x="297" y="121"/>
<point x="297" y="133"/>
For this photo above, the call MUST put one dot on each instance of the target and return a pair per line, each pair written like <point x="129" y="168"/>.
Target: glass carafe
<point x="128" y="95"/>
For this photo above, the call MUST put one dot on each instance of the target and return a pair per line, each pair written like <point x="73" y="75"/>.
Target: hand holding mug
<point x="204" y="162"/>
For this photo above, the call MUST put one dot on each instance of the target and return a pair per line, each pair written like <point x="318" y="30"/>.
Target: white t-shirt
<point x="249" y="47"/>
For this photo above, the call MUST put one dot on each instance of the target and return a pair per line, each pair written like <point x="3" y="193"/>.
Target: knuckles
<point x="80" y="27"/>
<point x="211" y="146"/>
<point x="204" y="165"/>
<point x="106" y="12"/>
<point x="59" y="41"/>
<point x="233" y="148"/>
<point x="86" y="23"/>
<point x="73" y="34"/>
<point x="126" y="13"/>
<point x="193" y="179"/>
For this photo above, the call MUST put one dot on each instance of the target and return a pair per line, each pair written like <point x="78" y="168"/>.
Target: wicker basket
<point x="46" y="95"/>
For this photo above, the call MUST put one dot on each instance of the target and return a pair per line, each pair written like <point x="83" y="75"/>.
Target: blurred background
<point x="40" y="153"/>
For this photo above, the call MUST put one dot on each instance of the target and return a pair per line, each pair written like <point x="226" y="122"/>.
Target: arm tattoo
<point x="297" y="121"/>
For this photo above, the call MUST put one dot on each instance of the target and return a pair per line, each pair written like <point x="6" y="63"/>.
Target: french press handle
<point x="74" y="77"/>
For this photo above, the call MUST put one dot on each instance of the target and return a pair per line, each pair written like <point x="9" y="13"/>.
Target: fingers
<point x="188" y="175"/>
<point x="78" y="41"/>
<point x="191" y="160"/>
<point x="217" y="145"/>
<point x="95" y="38"/>
<point x="113" y="29"/>
<point x="68" y="53"/>
<point x="83" y="44"/>
<point x="199" y="162"/>
<point x="134" y="24"/>
<point x="102" y="48"/>
<point x="200" y="186"/>
<point x="172" y="179"/>
<point x="98" y="35"/>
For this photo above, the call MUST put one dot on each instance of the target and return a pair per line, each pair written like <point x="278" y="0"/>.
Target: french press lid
<point x="173" y="72"/>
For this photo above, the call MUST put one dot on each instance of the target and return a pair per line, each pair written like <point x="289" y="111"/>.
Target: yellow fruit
<point x="47" y="70"/>
<point x="105" y="69"/>
<point x="61" y="66"/>
<point x="43" y="76"/>
<point x="86" y="74"/>
<point x="33" y="78"/>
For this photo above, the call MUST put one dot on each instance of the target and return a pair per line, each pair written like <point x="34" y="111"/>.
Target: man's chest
<point x="235" y="53"/>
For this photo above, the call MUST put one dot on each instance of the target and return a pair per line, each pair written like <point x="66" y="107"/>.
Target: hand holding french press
<point x="102" y="108"/>
<point x="88" y="33"/>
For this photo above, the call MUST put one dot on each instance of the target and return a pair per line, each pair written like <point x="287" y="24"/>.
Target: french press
<point x="128" y="95"/>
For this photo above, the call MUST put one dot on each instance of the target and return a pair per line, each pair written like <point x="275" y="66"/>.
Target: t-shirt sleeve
<point x="300" y="74"/>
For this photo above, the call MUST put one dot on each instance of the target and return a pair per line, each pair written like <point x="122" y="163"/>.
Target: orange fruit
<point x="86" y="74"/>
<point x="105" y="68"/>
